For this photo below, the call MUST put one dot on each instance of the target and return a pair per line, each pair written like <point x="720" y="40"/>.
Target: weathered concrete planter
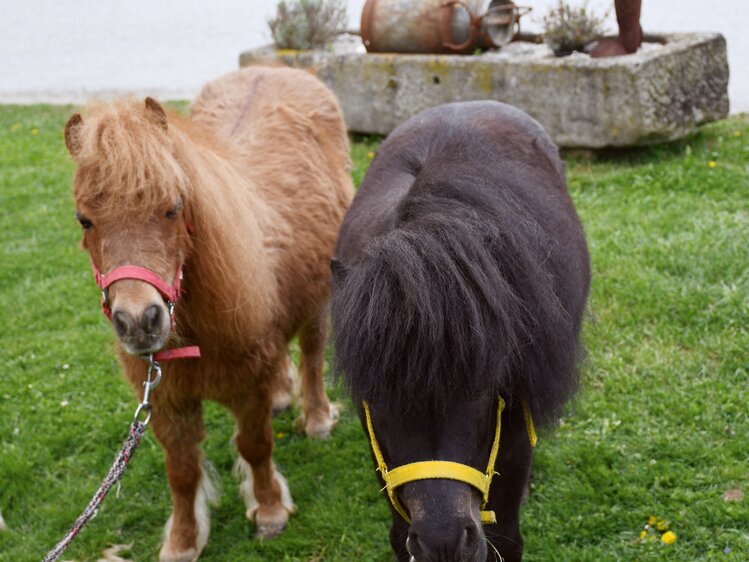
<point x="654" y="95"/>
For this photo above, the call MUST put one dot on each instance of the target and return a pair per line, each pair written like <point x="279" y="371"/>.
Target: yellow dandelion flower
<point x="662" y="525"/>
<point x="643" y="534"/>
<point x="35" y="132"/>
<point x="651" y="520"/>
<point x="737" y="133"/>
<point x="370" y="155"/>
<point x="668" y="537"/>
<point x="280" y="435"/>
<point x="712" y="164"/>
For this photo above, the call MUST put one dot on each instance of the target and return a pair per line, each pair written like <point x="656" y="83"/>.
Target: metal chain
<point x="137" y="430"/>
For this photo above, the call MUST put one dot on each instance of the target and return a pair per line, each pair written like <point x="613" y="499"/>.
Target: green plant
<point x="568" y="28"/>
<point x="307" y="24"/>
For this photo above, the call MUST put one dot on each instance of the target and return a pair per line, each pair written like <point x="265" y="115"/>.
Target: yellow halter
<point x="425" y="470"/>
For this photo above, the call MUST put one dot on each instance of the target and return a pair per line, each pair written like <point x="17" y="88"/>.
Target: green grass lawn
<point x="660" y="427"/>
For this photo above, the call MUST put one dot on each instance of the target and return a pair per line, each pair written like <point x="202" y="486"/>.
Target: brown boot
<point x="630" y="32"/>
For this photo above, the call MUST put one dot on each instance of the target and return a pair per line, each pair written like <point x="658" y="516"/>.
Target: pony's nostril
<point x="462" y="541"/>
<point x="469" y="540"/>
<point x="469" y="543"/>
<point x="151" y="318"/>
<point x="122" y="322"/>
<point x="458" y="543"/>
<point x="412" y="545"/>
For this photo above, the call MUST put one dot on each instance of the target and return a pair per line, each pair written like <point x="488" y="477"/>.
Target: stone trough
<point x="673" y="84"/>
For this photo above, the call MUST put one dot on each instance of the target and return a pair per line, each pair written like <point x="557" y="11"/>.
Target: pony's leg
<point x="319" y="415"/>
<point x="264" y="489"/>
<point x="180" y="430"/>
<point x="283" y="388"/>
<point x="508" y="489"/>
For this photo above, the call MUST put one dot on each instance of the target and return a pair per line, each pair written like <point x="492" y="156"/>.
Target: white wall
<point x="68" y="50"/>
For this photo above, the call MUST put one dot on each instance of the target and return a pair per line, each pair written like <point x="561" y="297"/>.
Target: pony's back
<point x="284" y="131"/>
<point x="464" y="269"/>
<point x="259" y="109"/>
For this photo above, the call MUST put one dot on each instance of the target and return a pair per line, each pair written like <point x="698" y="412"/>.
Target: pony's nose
<point x="459" y="543"/>
<point x="151" y="319"/>
<point x="124" y="324"/>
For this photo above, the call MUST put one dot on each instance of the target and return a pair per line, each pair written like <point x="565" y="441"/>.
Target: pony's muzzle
<point x="460" y="541"/>
<point x="445" y="521"/>
<point x="140" y="317"/>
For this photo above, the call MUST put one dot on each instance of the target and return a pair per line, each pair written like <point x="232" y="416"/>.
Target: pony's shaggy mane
<point x="455" y="303"/>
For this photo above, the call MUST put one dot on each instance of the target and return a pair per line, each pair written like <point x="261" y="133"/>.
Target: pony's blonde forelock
<point x="126" y="160"/>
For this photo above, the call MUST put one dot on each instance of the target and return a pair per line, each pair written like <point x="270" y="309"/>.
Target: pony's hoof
<point x="284" y="387"/>
<point x="265" y="532"/>
<point x="320" y="425"/>
<point x="281" y="401"/>
<point x="270" y="521"/>
<point x="169" y="554"/>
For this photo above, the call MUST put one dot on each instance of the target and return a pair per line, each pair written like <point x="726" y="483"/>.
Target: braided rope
<point x="137" y="429"/>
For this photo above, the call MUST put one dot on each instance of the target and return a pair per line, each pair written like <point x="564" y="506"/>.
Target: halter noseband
<point x="170" y="292"/>
<point x="426" y="470"/>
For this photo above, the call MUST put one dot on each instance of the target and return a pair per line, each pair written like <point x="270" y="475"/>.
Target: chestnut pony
<point x="245" y="197"/>
<point x="460" y="281"/>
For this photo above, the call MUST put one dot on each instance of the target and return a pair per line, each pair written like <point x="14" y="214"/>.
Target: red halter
<point x="171" y="294"/>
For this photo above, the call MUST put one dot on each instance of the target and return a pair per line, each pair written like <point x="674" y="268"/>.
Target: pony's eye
<point x="174" y="211"/>
<point x="85" y="223"/>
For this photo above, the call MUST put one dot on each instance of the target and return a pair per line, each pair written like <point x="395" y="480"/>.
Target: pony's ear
<point x="156" y="112"/>
<point x="72" y="134"/>
<point x="338" y="269"/>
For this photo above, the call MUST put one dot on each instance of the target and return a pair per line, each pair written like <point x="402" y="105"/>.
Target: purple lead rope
<point x="137" y="429"/>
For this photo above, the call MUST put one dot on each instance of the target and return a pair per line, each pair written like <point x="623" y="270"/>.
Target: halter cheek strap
<point x="425" y="470"/>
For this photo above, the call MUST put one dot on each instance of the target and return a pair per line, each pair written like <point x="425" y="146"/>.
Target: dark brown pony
<point x="248" y="194"/>
<point x="461" y="277"/>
